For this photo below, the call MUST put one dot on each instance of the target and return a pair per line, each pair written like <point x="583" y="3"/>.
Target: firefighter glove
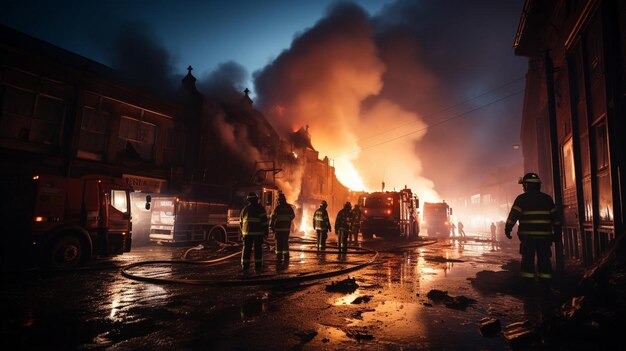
<point x="508" y="235"/>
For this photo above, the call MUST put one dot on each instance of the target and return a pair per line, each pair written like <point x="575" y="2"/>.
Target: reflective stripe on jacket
<point x="536" y="213"/>
<point x="321" y="220"/>
<point x="253" y="220"/>
<point x="282" y="217"/>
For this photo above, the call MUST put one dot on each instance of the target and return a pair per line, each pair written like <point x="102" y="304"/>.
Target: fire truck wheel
<point x="217" y="234"/>
<point x="65" y="252"/>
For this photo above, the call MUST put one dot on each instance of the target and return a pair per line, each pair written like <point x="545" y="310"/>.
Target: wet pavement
<point x="215" y="306"/>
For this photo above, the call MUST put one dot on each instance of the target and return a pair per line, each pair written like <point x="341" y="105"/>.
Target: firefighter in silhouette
<point x="461" y="231"/>
<point x="539" y="226"/>
<point x="254" y="227"/>
<point x="280" y="224"/>
<point x="343" y="223"/>
<point x="356" y="224"/>
<point x="321" y="224"/>
<point x="493" y="231"/>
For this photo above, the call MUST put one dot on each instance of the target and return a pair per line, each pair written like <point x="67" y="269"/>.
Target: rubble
<point x="522" y="334"/>
<point x="490" y="327"/>
<point x="596" y="314"/>
<point x="358" y="333"/>
<point x="347" y="285"/>
<point x="361" y="299"/>
<point x="455" y="302"/>
<point x="306" y="335"/>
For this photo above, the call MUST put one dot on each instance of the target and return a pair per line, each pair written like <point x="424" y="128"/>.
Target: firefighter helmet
<point x="281" y="197"/>
<point x="347" y="205"/>
<point x="252" y="196"/>
<point x="530" y="178"/>
<point x="324" y="203"/>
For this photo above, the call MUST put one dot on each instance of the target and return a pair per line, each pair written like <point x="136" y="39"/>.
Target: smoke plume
<point x="376" y="93"/>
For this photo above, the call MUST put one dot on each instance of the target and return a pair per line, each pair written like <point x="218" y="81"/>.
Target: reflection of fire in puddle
<point x="345" y="299"/>
<point x="396" y="320"/>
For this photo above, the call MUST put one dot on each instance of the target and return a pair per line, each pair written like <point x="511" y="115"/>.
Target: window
<point x="31" y="117"/>
<point x="93" y="134"/>
<point x="605" y="192"/>
<point x="136" y="139"/>
<point x="569" y="174"/>
<point x="119" y="200"/>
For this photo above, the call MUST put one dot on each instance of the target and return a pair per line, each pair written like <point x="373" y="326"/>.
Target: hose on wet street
<point x="260" y="279"/>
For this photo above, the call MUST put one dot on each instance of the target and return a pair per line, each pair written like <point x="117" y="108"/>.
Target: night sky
<point x="424" y="90"/>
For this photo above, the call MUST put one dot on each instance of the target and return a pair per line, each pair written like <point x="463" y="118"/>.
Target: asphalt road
<point x="217" y="307"/>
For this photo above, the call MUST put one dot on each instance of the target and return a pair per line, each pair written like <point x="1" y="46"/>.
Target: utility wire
<point x="429" y="115"/>
<point x="460" y="115"/>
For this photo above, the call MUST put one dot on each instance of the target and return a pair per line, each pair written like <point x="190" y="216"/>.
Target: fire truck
<point x="71" y="219"/>
<point x="179" y="220"/>
<point x="437" y="218"/>
<point x="390" y="214"/>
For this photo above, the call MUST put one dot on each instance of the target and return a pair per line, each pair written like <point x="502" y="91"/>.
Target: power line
<point x="429" y="115"/>
<point x="464" y="114"/>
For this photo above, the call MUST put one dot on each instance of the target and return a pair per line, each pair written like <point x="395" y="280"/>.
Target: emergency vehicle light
<point x="39" y="219"/>
<point x="36" y="177"/>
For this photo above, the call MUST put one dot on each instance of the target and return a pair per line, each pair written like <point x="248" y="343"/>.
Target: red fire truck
<point x="72" y="219"/>
<point x="390" y="214"/>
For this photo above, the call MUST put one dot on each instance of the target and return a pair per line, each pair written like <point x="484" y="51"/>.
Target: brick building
<point x="573" y="124"/>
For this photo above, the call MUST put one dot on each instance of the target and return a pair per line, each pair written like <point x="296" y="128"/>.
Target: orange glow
<point x="35" y="177"/>
<point x="39" y="219"/>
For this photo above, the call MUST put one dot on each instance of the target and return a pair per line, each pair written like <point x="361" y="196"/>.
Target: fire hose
<point x="238" y="282"/>
<point x="260" y="280"/>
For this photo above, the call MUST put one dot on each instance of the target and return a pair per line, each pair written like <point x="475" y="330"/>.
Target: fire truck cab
<point x="390" y="214"/>
<point x="76" y="218"/>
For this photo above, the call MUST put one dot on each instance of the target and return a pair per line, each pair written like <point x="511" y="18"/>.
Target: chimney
<point x="246" y="99"/>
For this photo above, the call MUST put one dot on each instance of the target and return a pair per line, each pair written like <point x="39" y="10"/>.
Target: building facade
<point x="573" y="125"/>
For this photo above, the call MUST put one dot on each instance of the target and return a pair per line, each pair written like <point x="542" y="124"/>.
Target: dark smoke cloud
<point x="225" y="83"/>
<point x="142" y="58"/>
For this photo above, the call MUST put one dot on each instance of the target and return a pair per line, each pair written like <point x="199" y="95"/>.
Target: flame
<point x="348" y="175"/>
<point x="305" y="225"/>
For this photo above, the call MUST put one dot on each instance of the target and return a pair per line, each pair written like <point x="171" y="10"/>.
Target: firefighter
<point x="461" y="231"/>
<point x="342" y="226"/>
<point x="280" y="224"/>
<point x="254" y="227"/>
<point x="539" y="226"/>
<point x="321" y="224"/>
<point x="356" y="224"/>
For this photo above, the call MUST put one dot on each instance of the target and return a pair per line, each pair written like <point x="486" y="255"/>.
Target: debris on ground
<point x="441" y="259"/>
<point x="347" y="285"/>
<point x="306" y="335"/>
<point x="522" y="334"/>
<point x="596" y="314"/>
<point x="358" y="333"/>
<point x="361" y="299"/>
<point x="455" y="302"/>
<point x="357" y="314"/>
<point x="490" y="327"/>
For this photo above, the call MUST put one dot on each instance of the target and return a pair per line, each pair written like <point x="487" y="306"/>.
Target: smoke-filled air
<point x="365" y="85"/>
<point x="323" y="81"/>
